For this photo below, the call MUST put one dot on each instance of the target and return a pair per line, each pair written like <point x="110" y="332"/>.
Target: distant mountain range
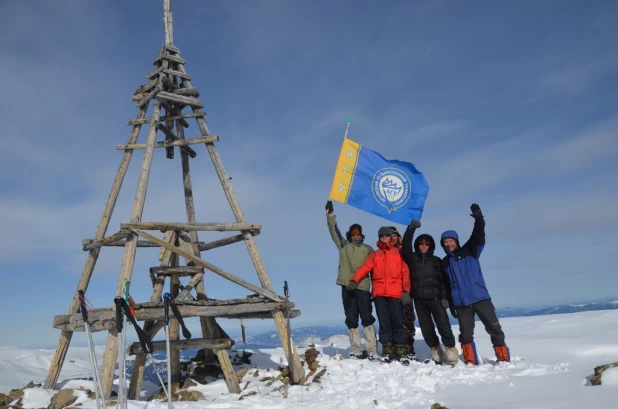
<point x="306" y="335"/>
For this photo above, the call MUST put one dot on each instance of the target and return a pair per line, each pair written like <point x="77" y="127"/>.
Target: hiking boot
<point x="406" y="359"/>
<point x="387" y="359"/>
<point x="388" y="349"/>
<point x="356" y="355"/>
<point x="373" y="357"/>
<point x="502" y="353"/>
<point x="437" y="354"/>
<point x="452" y="356"/>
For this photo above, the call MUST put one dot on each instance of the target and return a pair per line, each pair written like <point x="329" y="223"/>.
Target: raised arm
<point x="406" y="243"/>
<point x="331" y="222"/>
<point x="476" y="243"/>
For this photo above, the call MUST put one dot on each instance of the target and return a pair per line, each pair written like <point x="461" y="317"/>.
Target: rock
<point x="438" y="406"/>
<point x="16" y="394"/>
<point x="242" y="396"/>
<point x="5" y="399"/>
<point x="598" y="371"/>
<point x="207" y="370"/>
<point x="187" y="396"/>
<point x="32" y="385"/>
<point x="188" y="383"/>
<point x="241" y="373"/>
<point x="62" y="399"/>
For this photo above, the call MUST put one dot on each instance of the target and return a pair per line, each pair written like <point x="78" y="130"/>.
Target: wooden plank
<point x="201" y="245"/>
<point x="188" y="92"/>
<point x="169" y="57"/>
<point x="183" y="344"/>
<point x="155" y="310"/>
<point x="299" y="374"/>
<point x="148" y="97"/>
<point x="165" y="226"/>
<point x="261" y="291"/>
<point x="139" y="363"/>
<point x="178" y="142"/>
<point x="154" y="73"/>
<point x="183" y="270"/>
<point x="179" y="99"/>
<point x="111" y="351"/>
<point x="177" y="73"/>
<point x="172" y="48"/>
<point x="172" y="137"/>
<point x="164" y="118"/>
<point x="65" y="337"/>
<point x="122" y="234"/>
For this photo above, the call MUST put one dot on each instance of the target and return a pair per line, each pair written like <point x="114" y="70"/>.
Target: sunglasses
<point x="355" y="233"/>
<point x="423" y="243"/>
<point x="384" y="235"/>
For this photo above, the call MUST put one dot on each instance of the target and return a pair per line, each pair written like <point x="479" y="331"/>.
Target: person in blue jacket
<point x="469" y="295"/>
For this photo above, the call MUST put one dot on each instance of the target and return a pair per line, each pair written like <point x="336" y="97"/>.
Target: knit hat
<point x="384" y="231"/>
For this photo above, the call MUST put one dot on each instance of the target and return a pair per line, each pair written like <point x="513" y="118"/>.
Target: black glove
<point x="445" y="304"/>
<point x="405" y="299"/>
<point x="454" y="312"/>
<point x="476" y="212"/>
<point x="352" y="286"/>
<point x="329" y="207"/>
<point x="415" y="224"/>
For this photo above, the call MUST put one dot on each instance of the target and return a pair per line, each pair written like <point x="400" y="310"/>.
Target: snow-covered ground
<point x="553" y="358"/>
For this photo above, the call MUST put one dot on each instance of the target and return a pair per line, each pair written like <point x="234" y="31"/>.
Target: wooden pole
<point x="65" y="337"/>
<point x="299" y="373"/>
<point x="167" y="20"/>
<point x="111" y="346"/>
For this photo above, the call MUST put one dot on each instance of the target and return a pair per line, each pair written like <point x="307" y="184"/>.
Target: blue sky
<point x="509" y="105"/>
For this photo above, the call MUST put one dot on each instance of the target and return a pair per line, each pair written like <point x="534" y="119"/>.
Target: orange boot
<point x="502" y="353"/>
<point x="469" y="353"/>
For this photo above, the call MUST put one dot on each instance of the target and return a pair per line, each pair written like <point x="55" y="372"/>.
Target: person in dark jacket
<point x="408" y="309"/>
<point x="469" y="295"/>
<point x="429" y="294"/>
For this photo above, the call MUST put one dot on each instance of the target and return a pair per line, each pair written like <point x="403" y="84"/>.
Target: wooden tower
<point x="169" y="90"/>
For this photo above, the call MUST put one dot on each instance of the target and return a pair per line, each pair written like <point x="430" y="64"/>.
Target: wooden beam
<point x="188" y="92"/>
<point x="155" y="311"/>
<point x="178" y="142"/>
<point x="169" y="57"/>
<point x="148" y="97"/>
<point x="65" y="338"/>
<point x="166" y="226"/>
<point x="177" y="73"/>
<point x="126" y="269"/>
<point x="123" y="234"/>
<point x="261" y="291"/>
<point x="164" y="118"/>
<point x="172" y="137"/>
<point x="89" y="244"/>
<point x="183" y="344"/>
<point x="179" y="99"/>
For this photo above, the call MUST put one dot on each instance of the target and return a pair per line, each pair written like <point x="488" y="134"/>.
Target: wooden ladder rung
<point x="181" y="344"/>
<point x="178" y="271"/>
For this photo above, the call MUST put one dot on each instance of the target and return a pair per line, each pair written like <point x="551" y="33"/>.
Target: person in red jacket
<point x="390" y="290"/>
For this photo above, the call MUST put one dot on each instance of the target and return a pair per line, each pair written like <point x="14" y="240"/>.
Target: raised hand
<point x="329" y="207"/>
<point x="415" y="224"/>
<point x="476" y="212"/>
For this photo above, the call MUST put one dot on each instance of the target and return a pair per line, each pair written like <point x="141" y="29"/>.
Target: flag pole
<point x="347" y="128"/>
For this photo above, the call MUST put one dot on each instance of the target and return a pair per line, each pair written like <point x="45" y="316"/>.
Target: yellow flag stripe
<point x="344" y="173"/>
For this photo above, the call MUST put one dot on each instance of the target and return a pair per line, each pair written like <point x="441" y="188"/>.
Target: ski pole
<point x="93" y="359"/>
<point x="286" y="292"/>
<point x="166" y="303"/>
<point x="119" y="324"/>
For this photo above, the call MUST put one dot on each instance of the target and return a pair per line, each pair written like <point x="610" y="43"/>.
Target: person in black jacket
<point x="429" y="294"/>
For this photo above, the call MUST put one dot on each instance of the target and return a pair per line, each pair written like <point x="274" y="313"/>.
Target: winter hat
<point x="384" y="231"/>
<point x="449" y="234"/>
<point x="394" y="231"/>
<point x="353" y="227"/>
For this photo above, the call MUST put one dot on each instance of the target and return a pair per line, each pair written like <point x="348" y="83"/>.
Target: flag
<point x="392" y="189"/>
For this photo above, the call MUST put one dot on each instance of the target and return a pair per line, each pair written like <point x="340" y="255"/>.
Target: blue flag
<point x="392" y="189"/>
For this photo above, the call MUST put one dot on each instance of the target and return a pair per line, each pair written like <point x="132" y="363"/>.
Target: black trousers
<point x="390" y="318"/>
<point x="357" y="303"/>
<point x="429" y="311"/>
<point x="487" y="314"/>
